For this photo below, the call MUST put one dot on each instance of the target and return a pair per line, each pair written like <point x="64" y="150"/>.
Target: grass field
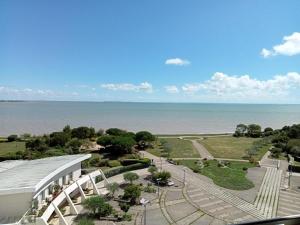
<point x="7" y="148"/>
<point x="178" y="148"/>
<point x="229" y="147"/>
<point x="231" y="177"/>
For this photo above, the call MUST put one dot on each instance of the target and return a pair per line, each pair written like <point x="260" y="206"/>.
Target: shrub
<point x="132" y="192"/>
<point x="126" y="162"/>
<point x="98" y="206"/>
<point x="114" y="163"/>
<point x="117" y="170"/>
<point x="113" y="187"/>
<point x="126" y="217"/>
<point x="163" y="176"/>
<point x="149" y="188"/>
<point x="124" y="206"/>
<point x="85" y="221"/>
<point x="12" y="138"/>
<point x="130" y="177"/>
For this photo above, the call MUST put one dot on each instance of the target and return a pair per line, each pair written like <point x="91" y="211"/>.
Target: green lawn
<point x="7" y="148"/>
<point x="231" y="177"/>
<point x="178" y="148"/>
<point x="230" y="147"/>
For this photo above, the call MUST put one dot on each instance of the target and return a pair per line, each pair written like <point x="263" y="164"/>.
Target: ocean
<point x="159" y="118"/>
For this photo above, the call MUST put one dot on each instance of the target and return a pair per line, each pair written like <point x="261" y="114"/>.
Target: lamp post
<point x="144" y="203"/>
<point x="184" y="176"/>
<point x="160" y="164"/>
<point x="158" y="179"/>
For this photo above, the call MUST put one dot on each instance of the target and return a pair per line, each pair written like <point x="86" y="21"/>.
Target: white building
<point x="24" y="183"/>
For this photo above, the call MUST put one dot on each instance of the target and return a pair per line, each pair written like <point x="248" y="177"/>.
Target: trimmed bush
<point x="113" y="163"/>
<point x="122" y="169"/>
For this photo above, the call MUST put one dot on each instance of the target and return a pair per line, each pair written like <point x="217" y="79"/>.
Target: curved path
<point x="214" y="201"/>
<point x="202" y="150"/>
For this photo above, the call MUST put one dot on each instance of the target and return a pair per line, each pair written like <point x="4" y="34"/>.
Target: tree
<point x="295" y="151"/>
<point x="130" y="177"/>
<point x="162" y="176"/>
<point x="132" y="192"/>
<point x="59" y="139"/>
<point x="12" y="138"/>
<point x="268" y="131"/>
<point x="144" y="138"/>
<point x="37" y="144"/>
<point x="124" y="206"/>
<point x="115" y="132"/>
<point x="74" y="145"/>
<point x="240" y="130"/>
<point x="113" y="187"/>
<point x="117" y="145"/>
<point x="254" y="130"/>
<point x="67" y="129"/>
<point x="98" y="206"/>
<point x="100" y="132"/>
<point x="152" y="170"/>
<point x="83" y="132"/>
<point x="275" y="152"/>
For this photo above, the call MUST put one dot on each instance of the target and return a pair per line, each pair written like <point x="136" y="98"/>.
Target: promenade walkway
<point x="214" y="201"/>
<point x="202" y="150"/>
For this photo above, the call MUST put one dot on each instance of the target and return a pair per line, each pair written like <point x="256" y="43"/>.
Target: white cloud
<point x="25" y="92"/>
<point x="145" y="86"/>
<point x="289" y="47"/>
<point x="244" y="86"/>
<point x="172" y="89"/>
<point x="177" y="62"/>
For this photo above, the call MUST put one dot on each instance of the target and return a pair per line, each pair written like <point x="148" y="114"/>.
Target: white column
<point x="83" y="197"/>
<point x="62" y="220"/>
<point x="41" y="221"/>
<point x="95" y="189"/>
<point x="106" y="182"/>
<point x="73" y="209"/>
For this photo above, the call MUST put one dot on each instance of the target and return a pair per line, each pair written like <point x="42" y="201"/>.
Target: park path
<point x="202" y="150"/>
<point x="213" y="200"/>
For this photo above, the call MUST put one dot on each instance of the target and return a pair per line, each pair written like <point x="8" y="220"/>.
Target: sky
<point x="233" y="51"/>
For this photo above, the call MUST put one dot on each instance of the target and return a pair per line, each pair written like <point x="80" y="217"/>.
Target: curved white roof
<point x="30" y="175"/>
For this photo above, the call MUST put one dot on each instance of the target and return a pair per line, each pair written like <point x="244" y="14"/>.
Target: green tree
<point x="117" y="145"/>
<point x="58" y="139"/>
<point x="240" y="130"/>
<point x="268" y="131"/>
<point x="144" y="139"/>
<point x="162" y="176"/>
<point x="132" y="192"/>
<point x="130" y="177"/>
<point x="113" y="187"/>
<point x="254" y="130"/>
<point x="74" y="145"/>
<point x="124" y="206"/>
<point x="152" y="170"/>
<point x="12" y="138"/>
<point x="97" y="206"/>
<point x="83" y="132"/>
<point x="115" y="132"/>
<point x="37" y="144"/>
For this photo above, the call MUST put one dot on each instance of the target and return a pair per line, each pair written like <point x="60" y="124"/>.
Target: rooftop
<point x="29" y="175"/>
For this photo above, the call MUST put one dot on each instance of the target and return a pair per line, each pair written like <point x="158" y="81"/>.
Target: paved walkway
<point x="216" y="202"/>
<point x="202" y="150"/>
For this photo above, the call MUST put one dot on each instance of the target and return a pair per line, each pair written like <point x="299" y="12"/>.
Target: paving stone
<point x="180" y="210"/>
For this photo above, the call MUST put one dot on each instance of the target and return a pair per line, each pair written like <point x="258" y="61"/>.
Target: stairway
<point x="267" y="199"/>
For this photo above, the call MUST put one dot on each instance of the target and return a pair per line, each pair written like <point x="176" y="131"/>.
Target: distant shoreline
<point x="138" y="102"/>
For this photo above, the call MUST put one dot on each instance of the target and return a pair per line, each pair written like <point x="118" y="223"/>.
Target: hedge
<point x="294" y="168"/>
<point x="127" y="162"/>
<point x="121" y="169"/>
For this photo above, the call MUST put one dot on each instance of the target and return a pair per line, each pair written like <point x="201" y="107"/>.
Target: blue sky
<point x="138" y="50"/>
